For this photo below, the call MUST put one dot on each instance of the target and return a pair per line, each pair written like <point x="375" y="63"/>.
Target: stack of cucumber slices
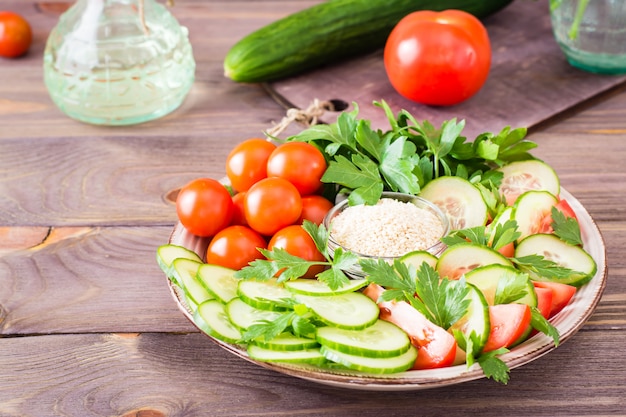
<point x="349" y="333"/>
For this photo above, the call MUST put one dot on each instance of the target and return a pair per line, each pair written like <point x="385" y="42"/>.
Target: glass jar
<point x="591" y="33"/>
<point x="118" y="62"/>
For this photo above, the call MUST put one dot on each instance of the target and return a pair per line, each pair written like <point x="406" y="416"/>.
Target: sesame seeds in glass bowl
<point x="398" y="224"/>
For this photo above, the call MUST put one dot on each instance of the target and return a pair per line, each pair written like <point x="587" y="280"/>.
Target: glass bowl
<point x="356" y="272"/>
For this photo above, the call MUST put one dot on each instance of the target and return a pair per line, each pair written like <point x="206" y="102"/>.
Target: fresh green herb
<point x="441" y="301"/>
<point x="566" y="228"/>
<point x="511" y="287"/>
<point x="290" y="267"/>
<point x="366" y="162"/>
<point x="502" y="235"/>
<point x="494" y="367"/>
<point x="299" y="320"/>
<point x="539" y="265"/>
<point x="541" y="324"/>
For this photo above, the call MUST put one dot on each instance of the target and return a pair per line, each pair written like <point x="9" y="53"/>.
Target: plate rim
<point x="580" y="309"/>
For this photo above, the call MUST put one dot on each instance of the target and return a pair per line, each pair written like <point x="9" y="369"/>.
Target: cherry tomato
<point x="314" y="208"/>
<point x="296" y="241"/>
<point x="204" y="207"/>
<point x="239" y="215"/>
<point x="15" y="35"/>
<point x="438" y="58"/>
<point x="247" y="163"/>
<point x="272" y="204"/>
<point x="300" y="163"/>
<point x="235" y="247"/>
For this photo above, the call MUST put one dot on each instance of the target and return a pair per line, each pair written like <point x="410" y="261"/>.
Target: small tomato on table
<point x="15" y="35"/>
<point x="438" y="58"/>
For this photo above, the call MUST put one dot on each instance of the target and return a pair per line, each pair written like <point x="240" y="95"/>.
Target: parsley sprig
<point x="366" y="162"/>
<point x="289" y="267"/>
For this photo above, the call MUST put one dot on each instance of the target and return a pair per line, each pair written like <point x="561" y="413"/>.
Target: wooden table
<point x="87" y="324"/>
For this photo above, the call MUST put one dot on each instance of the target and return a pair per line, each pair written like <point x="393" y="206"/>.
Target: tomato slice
<point x="509" y="322"/>
<point x="544" y="301"/>
<point x="561" y="294"/>
<point x="436" y="347"/>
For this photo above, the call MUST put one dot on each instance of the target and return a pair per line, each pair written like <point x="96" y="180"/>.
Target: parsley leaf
<point x="566" y="228"/>
<point x="494" y="367"/>
<point x="539" y="265"/>
<point x="359" y="174"/>
<point x="442" y="301"/>
<point x="504" y="234"/>
<point x="511" y="287"/>
<point x="540" y="323"/>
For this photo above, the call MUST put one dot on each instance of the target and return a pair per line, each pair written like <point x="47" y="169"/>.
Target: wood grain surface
<point x="87" y="324"/>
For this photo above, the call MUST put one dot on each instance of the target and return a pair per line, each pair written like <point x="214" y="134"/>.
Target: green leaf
<point x="334" y="277"/>
<point x="488" y="150"/>
<point x="494" y="367"/>
<point x="268" y="330"/>
<point x="543" y="267"/>
<point x="319" y="234"/>
<point x="360" y="174"/>
<point x="444" y="300"/>
<point x="302" y="326"/>
<point x="382" y="273"/>
<point x="504" y="234"/>
<point x="541" y="324"/>
<point x="511" y="287"/>
<point x="397" y="166"/>
<point x="259" y="269"/>
<point x="369" y="140"/>
<point x="566" y="228"/>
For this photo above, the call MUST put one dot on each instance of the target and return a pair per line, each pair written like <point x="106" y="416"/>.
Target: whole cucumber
<point x="328" y="32"/>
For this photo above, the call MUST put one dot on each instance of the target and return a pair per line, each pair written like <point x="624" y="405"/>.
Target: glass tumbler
<point x="591" y="33"/>
<point x="118" y="62"/>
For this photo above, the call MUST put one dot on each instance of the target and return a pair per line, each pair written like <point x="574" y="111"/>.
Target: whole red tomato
<point x="15" y="35"/>
<point x="204" y="206"/>
<point x="296" y="241"/>
<point x="314" y="209"/>
<point x="438" y="58"/>
<point x="246" y="164"/>
<point x="271" y="204"/>
<point x="300" y="163"/>
<point x="235" y="247"/>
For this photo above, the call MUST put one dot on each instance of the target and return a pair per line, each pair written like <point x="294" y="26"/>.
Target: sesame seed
<point x="387" y="229"/>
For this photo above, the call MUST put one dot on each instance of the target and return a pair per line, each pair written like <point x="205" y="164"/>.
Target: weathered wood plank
<point x="187" y="375"/>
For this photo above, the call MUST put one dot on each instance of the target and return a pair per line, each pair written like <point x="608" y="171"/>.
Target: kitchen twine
<point x="307" y="117"/>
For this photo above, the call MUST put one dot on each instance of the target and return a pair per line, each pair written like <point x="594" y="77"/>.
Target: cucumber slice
<point x="530" y="209"/>
<point x="417" y="258"/>
<point x="211" y="317"/>
<point x="264" y="295"/>
<point x="314" y="287"/>
<point x="352" y="310"/>
<point x="184" y="272"/>
<point x="522" y="176"/>
<point x="390" y="365"/>
<point x="459" y="200"/>
<point x="287" y="342"/>
<point x="563" y="253"/>
<point x="380" y="340"/>
<point x="219" y="281"/>
<point x="477" y="318"/>
<point x="243" y="315"/>
<point x="166" y="254"/>
<point x="487" y="279"/>
<point x="463" y="257"/>
<point x="310" y="356"/>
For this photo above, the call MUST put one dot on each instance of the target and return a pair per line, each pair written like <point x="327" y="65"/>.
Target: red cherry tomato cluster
<point x="275" y="192"/>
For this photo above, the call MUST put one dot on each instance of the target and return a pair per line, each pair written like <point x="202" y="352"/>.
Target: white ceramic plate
<point x="568" y="322"/>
